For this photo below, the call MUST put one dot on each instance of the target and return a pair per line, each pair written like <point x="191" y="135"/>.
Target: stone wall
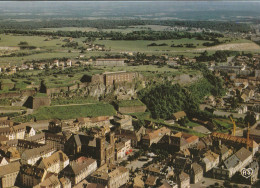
<point x="110" y="62"/>
<point x="119" y="77"/>
<point x="17" y="94"/>
<point x="40" y="101"/>
<point x="10" y="95"/>
<point x="131" y="109"/>
<point x="6" y="85"/>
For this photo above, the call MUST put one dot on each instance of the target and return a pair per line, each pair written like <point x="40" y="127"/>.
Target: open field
<point x="141" y="45"/>
<point x="52" y="49"/>
<point x="38" y="41"/>
<point x="75" y="111"/>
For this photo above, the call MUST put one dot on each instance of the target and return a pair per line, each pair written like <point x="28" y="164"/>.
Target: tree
<point x="250" y="118"/>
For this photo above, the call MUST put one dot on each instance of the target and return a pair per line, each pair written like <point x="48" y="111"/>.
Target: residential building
<point x="31" y="175"/>
<point x="51" y="180"/>
<point x="55" y="163"/>
<point x="13" y="132"/>
<point x="123" y="122"/>
<point x="122" y="148"/>
<point x="135" y="136"/>
<point x="79" y="169"/>
<point x="23" y="145"/>
<point x="155" y="136"/>
<point x="209" y="161"/>
<point x="112" y="177"/>
<point x="6" y="123"/>
<point x="222" y="151"/>
<point x="196" y="173"/>
<point x="39" y="138"/>
<point x="29" y="132"/>
<point x="183" y="180"/>
<point x="55" y="140"/>
<point x="233" y="164"/>
<point x="8" y="174"/>
<point x="31" y="156"/>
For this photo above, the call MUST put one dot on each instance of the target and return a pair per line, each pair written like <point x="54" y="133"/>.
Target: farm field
<point x="52" y="49"/>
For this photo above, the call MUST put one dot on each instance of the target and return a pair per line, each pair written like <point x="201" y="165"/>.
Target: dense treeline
<point x="218" y="56"/>
<point x="135" y="35"/>
<point x="165" y="99"/>
<point x="114" y="24"/>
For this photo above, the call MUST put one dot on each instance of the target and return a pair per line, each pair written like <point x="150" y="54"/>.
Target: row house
<point x="39" y="138"/>
<point x="6" y="123"/>
<point x="23" y="145"/>
<point x="13" y="132"/>
<point x="79" y="169"/>
<point x="55" y="163"/>
<point x="31" y="156"/>
<point x="8" y="174"/>
<point x="55" y="140"/>
<point x="52" y="180"/>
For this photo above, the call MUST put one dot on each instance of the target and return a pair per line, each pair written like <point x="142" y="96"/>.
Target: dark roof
<point x="77" y="140"/>
<point x="32" y="171"/>
<point x="28" y="129"/>
<point x="231" y="162"/>
<point x="151" y="180"/>
<point x="243" y="154"/>
<point x="9" y="168"/>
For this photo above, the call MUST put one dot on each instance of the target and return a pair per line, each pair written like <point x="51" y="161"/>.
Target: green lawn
<point x="192" y="124"/>
<point x="126" y="103"/>
<point x="72" y="112"/>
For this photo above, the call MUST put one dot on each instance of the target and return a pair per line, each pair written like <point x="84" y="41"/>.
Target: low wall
<point x="131" y="109"/>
